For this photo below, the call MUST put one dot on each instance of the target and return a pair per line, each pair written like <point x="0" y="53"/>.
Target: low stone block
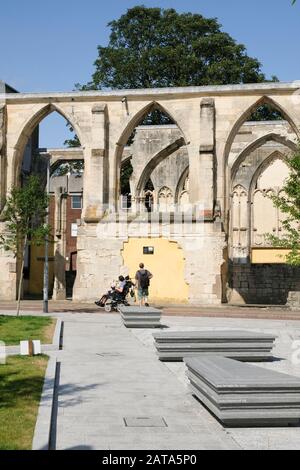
<point x="240" y="345"/>
<point x="140" y="317"/>
<point x="240" y="394"/>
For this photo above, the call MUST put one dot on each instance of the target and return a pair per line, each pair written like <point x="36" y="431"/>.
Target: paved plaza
<point x="113" y="392"/>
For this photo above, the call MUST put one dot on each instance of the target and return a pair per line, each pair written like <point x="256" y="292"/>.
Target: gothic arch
<point x="258" y="143"/>
<point x="180" y="184"/>
<point x="129" y="128"/>
<point x="233" y="132"/>
<point x="277" y="155"/>
<point x="263" y="205"/>
<point x="154" y="162"/>
<point x="25" y="132"/>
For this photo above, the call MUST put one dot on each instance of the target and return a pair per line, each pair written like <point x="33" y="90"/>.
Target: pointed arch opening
<point x="268" y="114"/>
<point x="29" y="136"/>
<point x="267" y="180"/>
<point x="268" y="138"/>
<point x="155" y="161"/>
<point x="150" y="136"/>
<point x="65" y="199"/>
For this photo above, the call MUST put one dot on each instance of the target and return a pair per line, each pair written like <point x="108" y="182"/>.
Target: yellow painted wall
<point x="166" y="265"/>
<point x="268" y="255"/>
<point x="36" y="278"/>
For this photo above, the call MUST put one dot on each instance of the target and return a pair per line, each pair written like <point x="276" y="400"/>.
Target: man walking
<point x="143" y="277"/>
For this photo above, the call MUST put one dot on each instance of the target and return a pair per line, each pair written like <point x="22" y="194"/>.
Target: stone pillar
<point x="8" y="264"/>
<point x="95" y="201"/>
<point x="293" y="301"/>
<point x="202" y="164"/>
<point x="95" y="188"/>
<point x="2" y="155"/>
<point x="59" y="289"/>
<point x="8" y="272"/>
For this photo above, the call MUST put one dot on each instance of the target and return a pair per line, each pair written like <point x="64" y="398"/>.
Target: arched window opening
<point x="155" y="117"/>
<point x="126" y="172"/>
<point x="149" y="196"/>
<point x="266" y="112"/>
<point x="165" y="199"/>
<point x="46" y="146"/>
<point x="266" y="218"/>
<point x="156" y="150"/>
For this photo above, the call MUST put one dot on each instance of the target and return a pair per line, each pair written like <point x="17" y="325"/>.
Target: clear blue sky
<point x="51" y="45"/>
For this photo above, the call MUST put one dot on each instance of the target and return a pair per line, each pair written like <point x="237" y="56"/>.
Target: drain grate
<point x="145" y="422"/>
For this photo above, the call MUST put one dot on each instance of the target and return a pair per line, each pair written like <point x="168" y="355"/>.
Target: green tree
<point x="72" y="167"/>
<point x="24" y="213"/>
<point x="289" y="204"/>
<point x="154" y="47"/>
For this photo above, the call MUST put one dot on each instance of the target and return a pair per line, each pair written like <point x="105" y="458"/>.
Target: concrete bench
<point x="241" y="345"/>
<point x="140" y="317"/>
<point x="240" y="394"/>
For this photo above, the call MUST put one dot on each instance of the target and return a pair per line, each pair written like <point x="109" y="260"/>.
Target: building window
<point x="76" y="202"/>
<point x="74" y="229"/>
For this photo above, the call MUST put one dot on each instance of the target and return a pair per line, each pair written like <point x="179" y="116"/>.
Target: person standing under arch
<point x="143" y="277"/>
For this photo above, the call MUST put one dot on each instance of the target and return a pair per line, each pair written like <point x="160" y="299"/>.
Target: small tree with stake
<point x="24" y="213"/>
<point x="288" y="201"/>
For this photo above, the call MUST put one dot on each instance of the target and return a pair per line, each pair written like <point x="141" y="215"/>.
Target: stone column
<point x="8" y="264"/>
<point x="2" y="153"/>
<point x="59" y="289"/>
<point x="95" y="190"/>
<point x="202" y="163"/>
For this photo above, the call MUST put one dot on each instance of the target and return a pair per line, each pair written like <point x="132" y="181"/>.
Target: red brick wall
<point x="71" y="242"/>
<point x="72" y="216"/>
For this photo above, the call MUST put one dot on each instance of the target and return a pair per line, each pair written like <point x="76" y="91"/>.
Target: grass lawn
<point x="15" y="329"/>
<point x="21" y="384"/>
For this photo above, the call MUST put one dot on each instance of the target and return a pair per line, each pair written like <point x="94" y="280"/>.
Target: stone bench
<point x="140" y="317"/>
<point x="240" y="394"/>
<point x="241" y="345"/>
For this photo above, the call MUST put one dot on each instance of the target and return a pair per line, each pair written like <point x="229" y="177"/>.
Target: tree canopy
<point x="154" y="47"/>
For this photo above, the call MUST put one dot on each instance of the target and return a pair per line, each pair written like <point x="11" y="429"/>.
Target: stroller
<point x="113" y="300"/>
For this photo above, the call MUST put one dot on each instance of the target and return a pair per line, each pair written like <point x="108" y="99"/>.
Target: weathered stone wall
<point x="262" y="284"/>
<point x="8" y="272"/>
<point x="208" y="118"/>
<point x="100" y="261"/>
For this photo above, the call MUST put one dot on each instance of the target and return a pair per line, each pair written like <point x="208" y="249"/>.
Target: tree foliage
<point x="266" y="112"/>
<point x="289" y="204"/>
<point x="24" y="213"/>
<point x="154" y="47"/>
<point x="75" y="167"/>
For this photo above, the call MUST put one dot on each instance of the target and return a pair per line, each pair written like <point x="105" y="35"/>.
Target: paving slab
<point x="85" y="349"/>
<point x="97" y="391"/>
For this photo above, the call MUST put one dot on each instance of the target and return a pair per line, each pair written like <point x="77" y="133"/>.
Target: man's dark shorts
<point x="143" y="292"/>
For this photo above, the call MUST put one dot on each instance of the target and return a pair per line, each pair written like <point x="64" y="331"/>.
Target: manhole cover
<point x="145" y="422"/>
